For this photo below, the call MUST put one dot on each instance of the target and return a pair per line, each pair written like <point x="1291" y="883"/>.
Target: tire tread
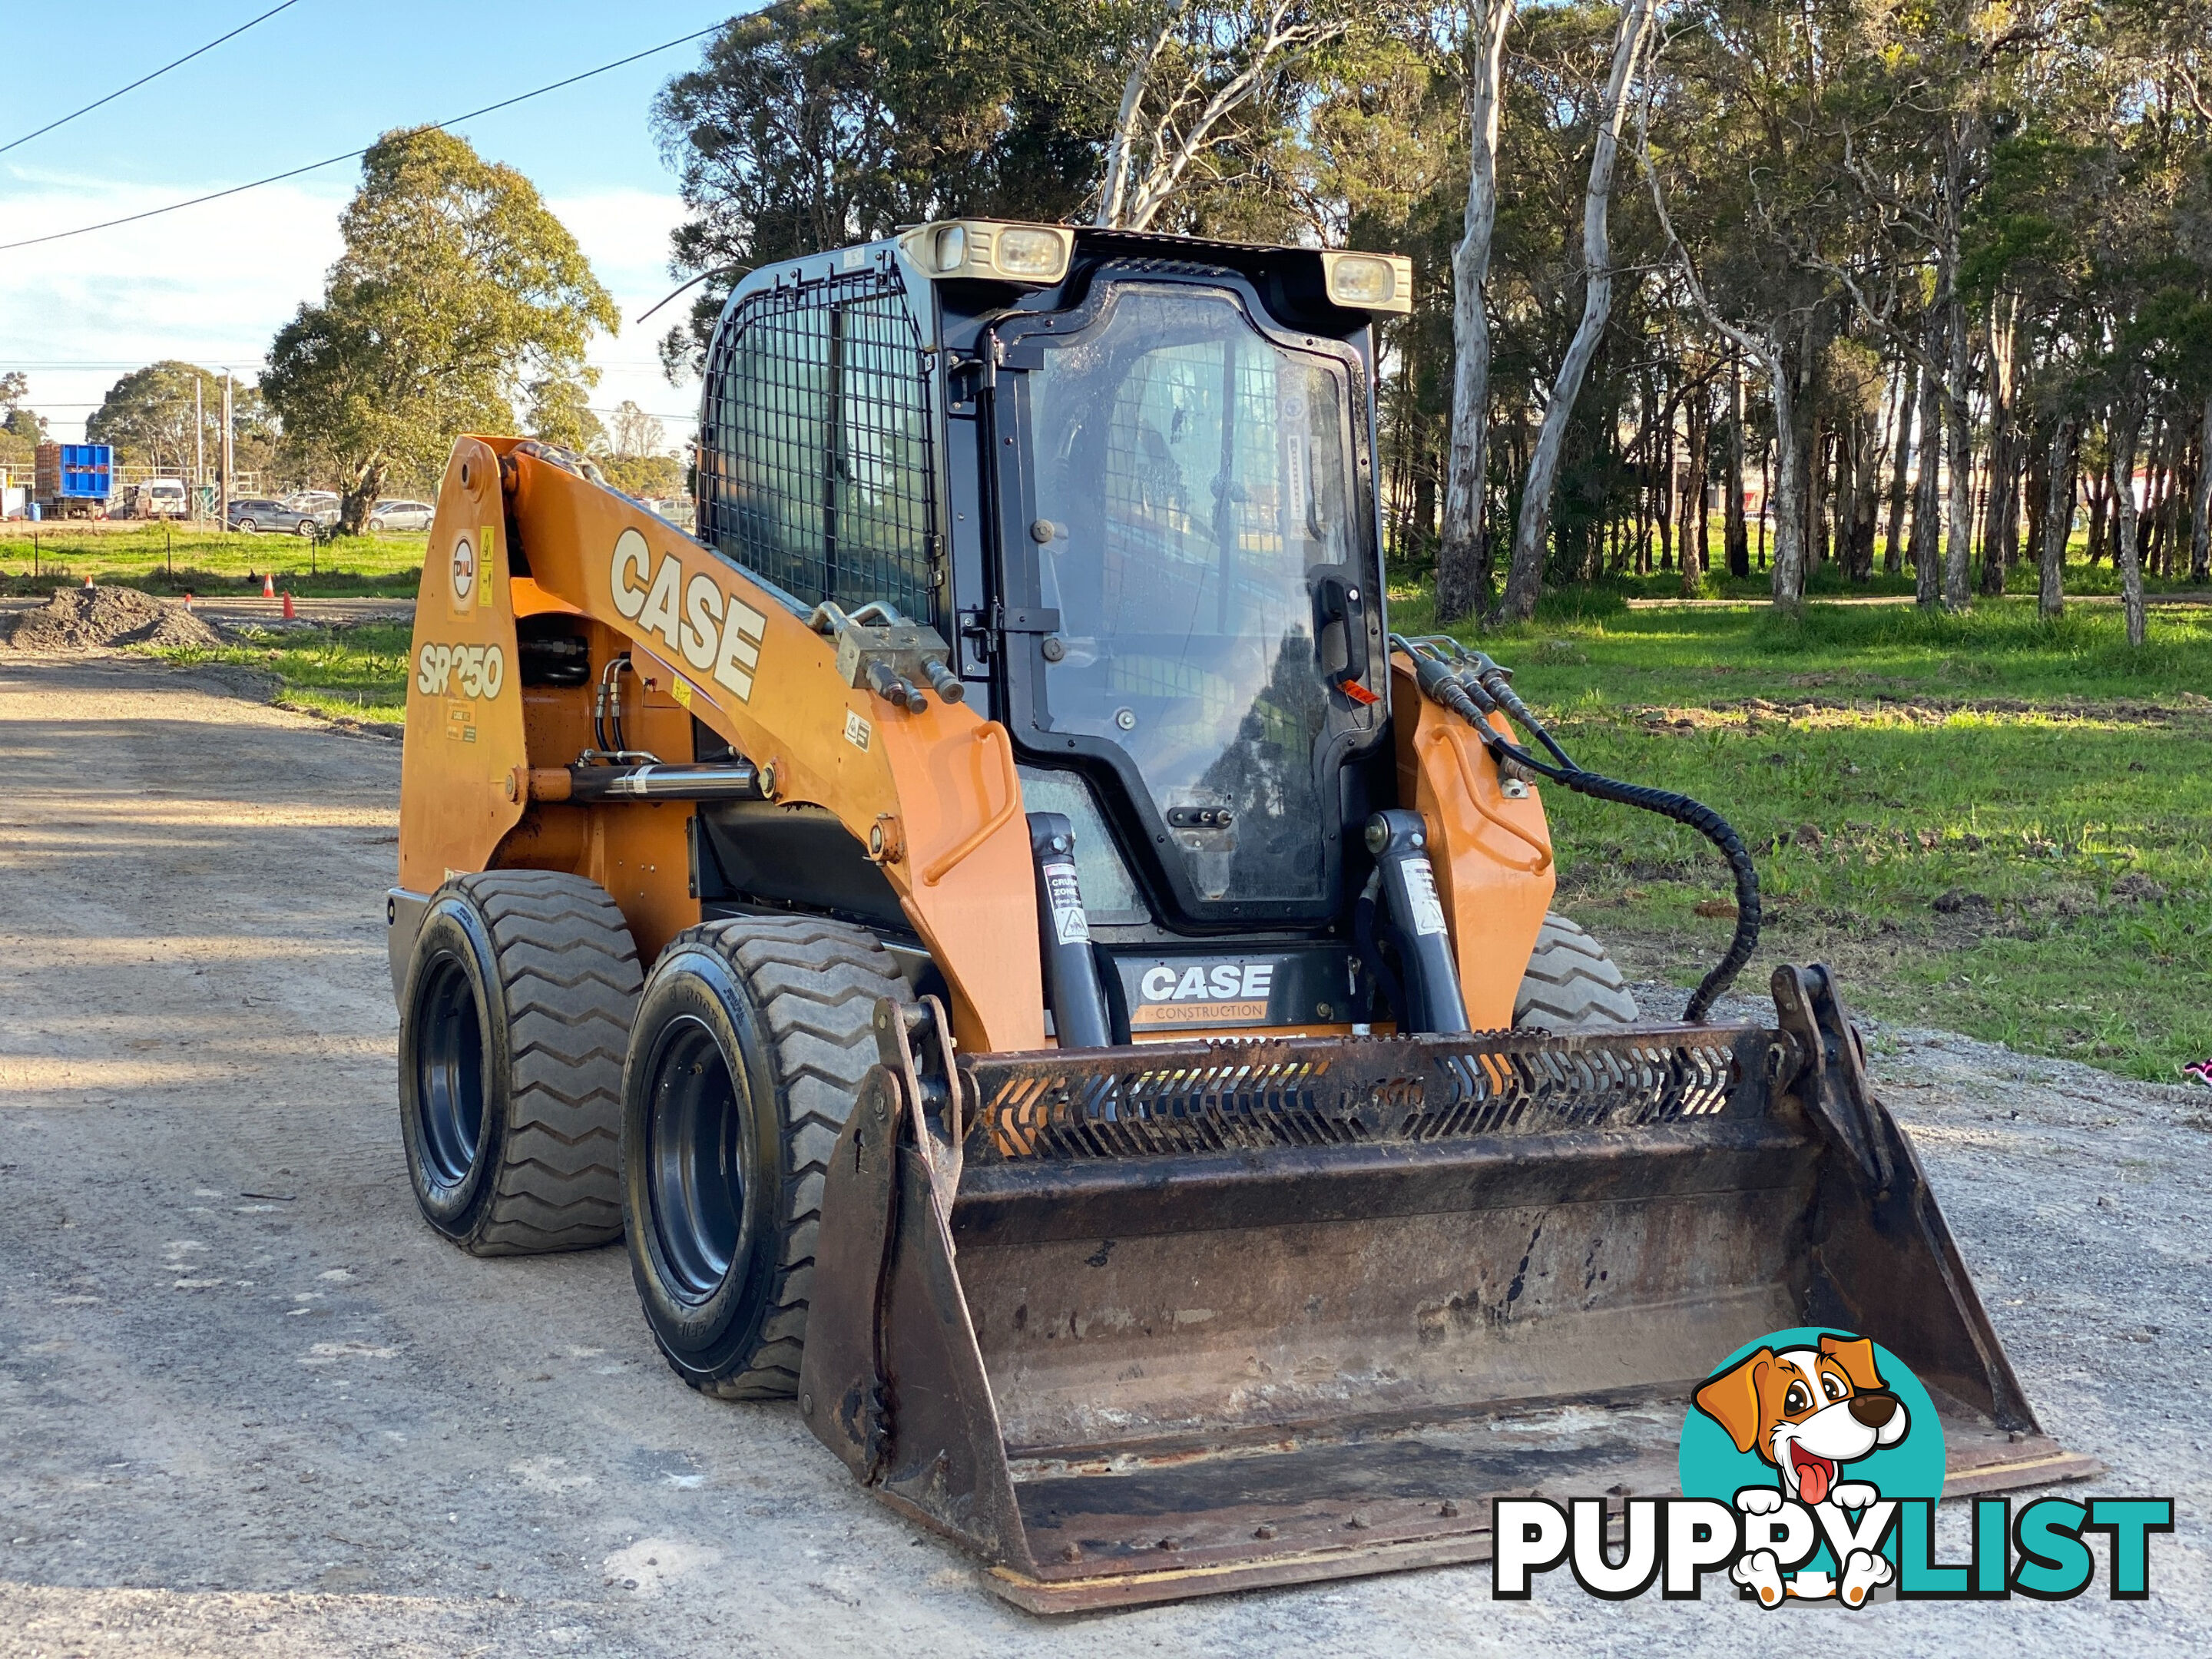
<point x="816" y="984"/>
<point x="1570" y="982"/>
<point x="569" y="970"/>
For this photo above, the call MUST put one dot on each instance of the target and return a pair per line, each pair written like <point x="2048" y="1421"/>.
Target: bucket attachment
<point x="1137" y="1324"/>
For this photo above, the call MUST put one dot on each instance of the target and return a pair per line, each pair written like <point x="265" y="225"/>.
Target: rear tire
<point x="1571" y="983"/>
<point x="750" y="1042"/>
<point x="513" y="1023"/>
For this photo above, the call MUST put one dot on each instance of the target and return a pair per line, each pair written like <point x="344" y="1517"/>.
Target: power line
<point x="353" y="154"/>
<point x="143" y="79"/>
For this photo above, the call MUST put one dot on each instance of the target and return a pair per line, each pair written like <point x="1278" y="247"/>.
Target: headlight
<point x="1029" y="253"/>
<point x="1370" y="282"/>
<point x="981" y="248"/>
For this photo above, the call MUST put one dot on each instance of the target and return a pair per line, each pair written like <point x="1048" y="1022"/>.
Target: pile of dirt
<point x="90" y="618"/>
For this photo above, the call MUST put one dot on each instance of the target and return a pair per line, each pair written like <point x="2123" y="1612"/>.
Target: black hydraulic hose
<point x="1484" y="687"/>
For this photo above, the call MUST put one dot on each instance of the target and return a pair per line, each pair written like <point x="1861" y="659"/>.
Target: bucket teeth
<point x="1162" y="1100"/>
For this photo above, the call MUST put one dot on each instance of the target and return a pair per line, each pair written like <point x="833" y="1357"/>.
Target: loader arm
<point x="932" y="792"/>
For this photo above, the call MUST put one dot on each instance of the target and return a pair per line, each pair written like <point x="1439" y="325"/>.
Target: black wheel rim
<point x="694" y="1169"/>
<point x="449" y="1091"/>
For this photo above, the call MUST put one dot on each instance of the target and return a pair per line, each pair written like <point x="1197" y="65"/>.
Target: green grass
<point x="2049" y="786"/>
<point x="351" y="673"/>
<point x="181" y="559"/>
<point x="1829" y="580"/>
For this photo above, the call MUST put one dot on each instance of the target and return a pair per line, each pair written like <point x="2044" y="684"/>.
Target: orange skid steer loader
<point x="1037" y="971"/>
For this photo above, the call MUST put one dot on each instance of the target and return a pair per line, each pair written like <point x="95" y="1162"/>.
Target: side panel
<point x="458" y="790"/>
<point x="1492" y="856"/>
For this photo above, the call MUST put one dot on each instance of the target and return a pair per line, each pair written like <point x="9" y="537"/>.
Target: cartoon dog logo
<point x="1807" y="1413"/>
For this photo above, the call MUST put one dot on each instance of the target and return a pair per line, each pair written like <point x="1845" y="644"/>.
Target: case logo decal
<point x="717" y="633"/>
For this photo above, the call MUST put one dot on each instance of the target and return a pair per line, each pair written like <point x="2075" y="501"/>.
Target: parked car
<point x="392" y="514"/>
<point x="253" y="516"/>
<point x="323" y="503"/>
<point x="151" y="498"/>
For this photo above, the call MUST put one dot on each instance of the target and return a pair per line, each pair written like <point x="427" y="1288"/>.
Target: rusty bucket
<point x="1144" y="1323"/>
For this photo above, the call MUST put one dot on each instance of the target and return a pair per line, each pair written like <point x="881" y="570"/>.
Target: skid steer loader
<point x="1038" y="972"/>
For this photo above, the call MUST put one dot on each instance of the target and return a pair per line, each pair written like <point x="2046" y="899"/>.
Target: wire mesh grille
<point x="816" y="463"/>
<point x="1315" y="1092"/>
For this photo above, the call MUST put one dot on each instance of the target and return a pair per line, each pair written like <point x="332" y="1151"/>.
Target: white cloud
<point x="213" y="284"/>
<point x="625" y="233"/>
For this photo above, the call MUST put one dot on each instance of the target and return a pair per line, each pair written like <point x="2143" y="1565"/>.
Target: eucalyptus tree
<point x="1524" y="579"/>
<point x="457" y="291"/>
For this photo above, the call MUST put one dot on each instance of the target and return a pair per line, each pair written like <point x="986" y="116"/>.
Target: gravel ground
<point x="249" y="1405"/>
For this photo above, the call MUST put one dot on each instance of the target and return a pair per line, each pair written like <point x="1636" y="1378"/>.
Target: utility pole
<point x="222" y="505"/>
<point x="199" y="441"/>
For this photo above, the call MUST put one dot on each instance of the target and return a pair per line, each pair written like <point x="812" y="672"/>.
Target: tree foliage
<point x="459" y="293"/>
<point x="1902" y="275"/>
<point x="168" y="416"/>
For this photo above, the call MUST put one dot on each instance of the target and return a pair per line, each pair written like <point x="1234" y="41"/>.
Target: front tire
<point x="512" y="1023"/>
<point x="750" y="1042"/>
<point x="1571" y="983"/>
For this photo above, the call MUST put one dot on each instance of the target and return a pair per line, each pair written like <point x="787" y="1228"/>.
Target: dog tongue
<point x="1813" y="1479"/>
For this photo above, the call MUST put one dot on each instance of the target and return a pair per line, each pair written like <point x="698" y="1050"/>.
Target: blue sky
<point x="212" y="284"/>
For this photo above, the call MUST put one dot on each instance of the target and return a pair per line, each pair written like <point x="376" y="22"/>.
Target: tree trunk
<point x="1735" y="544"/>
<point x="1766" y="486"/>
<point x="2057" y="517"/>
<point x="2199" y="518"/>
<point x="2151" y="513"/>
<point x="1113" y="192"/>
<point x="2001" y="518"/>
<point x="1462" y="576"/>
<point x="1892" y="552"/>
<point x="1789" y="487"/>
<point x="1844" y="483"/>
<point x="1815" y="516"/>
<point x="1999" y="549"/>
<point x="1524" y="580"/>
<point x="2035" y="493"/>
<point x="358" y="501"/>
<point x="2124" y="428"/>
<point x="1959" y="520"/>
<point x="1867" y="508"/>
<point x="1696" y="548"/>
<point x="1924" y="549"/>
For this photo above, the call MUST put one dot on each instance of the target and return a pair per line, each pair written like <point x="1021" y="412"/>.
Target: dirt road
<point x="249" y="1405"/>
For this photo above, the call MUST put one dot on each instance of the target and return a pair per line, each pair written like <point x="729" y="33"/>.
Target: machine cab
<point x="1130" y="478"/>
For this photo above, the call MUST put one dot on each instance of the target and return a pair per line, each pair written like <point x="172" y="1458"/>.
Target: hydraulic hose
<point x="1482" y="686"/>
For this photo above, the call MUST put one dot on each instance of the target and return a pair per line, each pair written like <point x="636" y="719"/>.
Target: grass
<point x="1987" y="823"/>
<point x="357" y="673"/>
<point x="1829" y="580"/>
<point x="172" y="560"/>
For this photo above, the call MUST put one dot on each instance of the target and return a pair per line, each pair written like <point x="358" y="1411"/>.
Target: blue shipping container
<point x="86" y="470"/>
<point x="75" y="472"/>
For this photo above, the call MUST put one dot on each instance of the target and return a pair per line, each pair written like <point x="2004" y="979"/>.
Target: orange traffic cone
<point x="289" y="612"/>
<point x="188" y="598"/>
<point x="88" y="581"/>
<point x="268" y="586"/>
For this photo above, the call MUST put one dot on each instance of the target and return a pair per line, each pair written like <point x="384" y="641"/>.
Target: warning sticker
<point x="1428" y="915"/>
<point x="1071" y="924"/>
